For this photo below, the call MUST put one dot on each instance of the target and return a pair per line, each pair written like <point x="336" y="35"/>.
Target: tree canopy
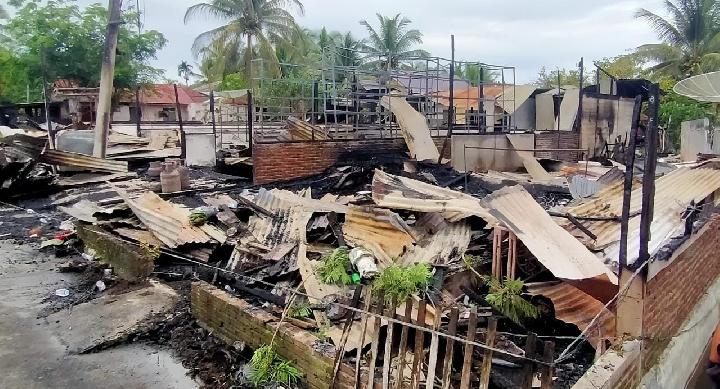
<point x="70" y="39"/>
<point x="392" y="40"/>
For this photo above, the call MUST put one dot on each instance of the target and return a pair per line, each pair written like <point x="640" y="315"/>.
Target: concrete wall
<point x="604" y="118"/>
<point x="479" y="160"/>
<point x="200" y="148"/>
<point x="695" y="138"/>
<point x="121" y="114"/>
<point x="524" y="116"/>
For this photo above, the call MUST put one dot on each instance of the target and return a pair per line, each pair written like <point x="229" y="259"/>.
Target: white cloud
<point x="526" y="34"/>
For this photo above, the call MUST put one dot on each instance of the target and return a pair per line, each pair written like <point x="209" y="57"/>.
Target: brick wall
<point x="233" y="319"/>
<point x="285" y="161"/>
<point x="558" y="140"/>
<point x="671" y="295"/>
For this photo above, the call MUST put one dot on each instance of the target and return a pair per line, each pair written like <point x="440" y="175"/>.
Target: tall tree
<point x="260" y="22"/>
<point x="475" y="74"/>
<point x="690" y="38"/>
<point x="347" y="50"/>
<point x="392" y="40"/>
<point x="185" y="71"/>
<point x="549" y="79"/>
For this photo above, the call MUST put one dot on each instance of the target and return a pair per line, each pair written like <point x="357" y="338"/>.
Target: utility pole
<point x="107" y="72"/>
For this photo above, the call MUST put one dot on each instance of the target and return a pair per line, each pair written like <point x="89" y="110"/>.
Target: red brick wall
<point x="285" y="161"/>
<point x="671" y="295"/>
<point x="549" y="140"/>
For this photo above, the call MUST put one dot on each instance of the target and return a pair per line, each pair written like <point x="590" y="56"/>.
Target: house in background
<point x="157" y="103"/>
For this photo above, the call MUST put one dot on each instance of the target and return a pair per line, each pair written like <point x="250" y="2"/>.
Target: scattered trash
<point x="62" y="292"/>
<point x="364" y="262"/>
<point x="87" y="256"/>
<point x="100" y="286"/>
<point x="67" y="225"/>
<point x="52" y="242"/>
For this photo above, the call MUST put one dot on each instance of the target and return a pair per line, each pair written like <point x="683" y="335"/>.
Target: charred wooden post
<point x="529" y="365"/>
<point x="251" y="117"/>
<point x="434" y="346"/>
<point x="627" y="185"/>
<point x="387" y="354"/>
<point x="648" y="185"/>
<point x="375" y="342"/>
<point x="546" y="378"/>
<point x="183" y="142"/>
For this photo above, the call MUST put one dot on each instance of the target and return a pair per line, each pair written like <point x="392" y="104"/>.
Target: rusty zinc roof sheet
<point x="554" y="247"/>
<point x="379" y="230"/>
<point x="58" y="157"/>
<point x="576" y="307"/>
<point x="397" y="192"/>
<point x="168" y="222"/>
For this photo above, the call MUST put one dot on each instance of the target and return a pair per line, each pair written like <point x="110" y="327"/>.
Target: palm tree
<point x="185" y="70"/>
<point x="392" y="41"/>
<point x="690" y="38"/>
<point x="261" y="22"/>
<point x="347" y="50"/>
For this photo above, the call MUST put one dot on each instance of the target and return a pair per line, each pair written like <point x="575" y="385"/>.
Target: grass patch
<point x="300" y="309"/>
<point x="334" y="267"/>
<point x="397" y="283"/>
<point x="505" y="297"/>
<point x="268" y="367"/>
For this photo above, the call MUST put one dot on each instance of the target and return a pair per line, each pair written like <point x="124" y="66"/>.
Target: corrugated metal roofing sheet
<point x="167" y="221"/>
<point x="397" y="192"/>
<point x="554" y="247"/>
<point x="379" y="230"/>
<point x="673" y="192"/>
<point x="577" y="307"/>
<point x="58" y="157"/>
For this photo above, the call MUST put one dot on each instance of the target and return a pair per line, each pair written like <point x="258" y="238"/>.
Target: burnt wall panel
<point x="558" y="140"/>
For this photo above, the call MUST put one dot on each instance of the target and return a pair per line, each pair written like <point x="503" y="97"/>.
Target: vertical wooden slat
<point x="434" y="345"/>
<point x="546" y="380"/>
<point x="487" y="357"/>
<point x="529" y="366"/>
<point x="387" y="355"/>
<point x="467" y="361"/>
<point x="447" y="365"/>
<point x="496" y="252"/>
<point x="419" y="346"/>
<point x="403" y="344"/>
<point x="340" y="354"/>
<point x="358" y="356"/>
<point x="375" y="343"/>
<point x="512" y="255"/>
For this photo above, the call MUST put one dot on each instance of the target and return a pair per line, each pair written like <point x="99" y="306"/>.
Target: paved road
<point x="32" y="357"/>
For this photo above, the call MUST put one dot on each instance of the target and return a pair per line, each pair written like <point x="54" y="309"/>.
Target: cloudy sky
<point x="526" y="34"/>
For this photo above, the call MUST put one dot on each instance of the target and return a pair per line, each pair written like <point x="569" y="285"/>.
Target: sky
<point x="526" y="34"/>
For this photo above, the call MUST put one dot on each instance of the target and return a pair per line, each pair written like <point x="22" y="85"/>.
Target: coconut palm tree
<point x="261" y="22"/>
<point x="690" y="38"/>
<point x="185" y="71"/>
<point x="392" y="40"/>
<point x="347" y="49"/>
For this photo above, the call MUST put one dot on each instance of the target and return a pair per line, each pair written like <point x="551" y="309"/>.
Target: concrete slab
<point x="110" y="318"/>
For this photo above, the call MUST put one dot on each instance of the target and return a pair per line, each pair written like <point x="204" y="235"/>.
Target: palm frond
<point x="665" y="30"/>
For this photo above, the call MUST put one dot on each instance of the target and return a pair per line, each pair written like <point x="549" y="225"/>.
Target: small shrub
<point x="397" y="283"/>
<point x="300" y="309"/>
<point x="268" y="367"/>
<point x="333" y="269"/>
<point x="505" y="297"/>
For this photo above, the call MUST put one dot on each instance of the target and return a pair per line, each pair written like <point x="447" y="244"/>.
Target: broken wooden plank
<point x="419" y="354"/>
<point x="377" y="322"/>
<point x="434" y="346"/>
<point x="487" y="357"/>
<point x="452" y="330"/>
<point x="387" y="354"/>
<point x="467" y="360"/>
<point x="358" y="355"/>
<point x="403" y="343"/>
<point x="414" y="128"/>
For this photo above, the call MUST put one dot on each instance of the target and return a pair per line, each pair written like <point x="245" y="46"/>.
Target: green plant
<point x="268" y="367"/>
<point x="333" y="269"/>
<point x="505" y="297"/>
<point x="300" y="309"/>
<point x="397" y="283"/>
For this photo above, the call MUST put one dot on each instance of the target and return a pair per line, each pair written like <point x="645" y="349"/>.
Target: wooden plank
<point x="346" y="330"/>
<point x="447" y="365"/>
<point x="387" y="355"/>
<point x="512" y="255"/>
<point x="487" y="357"/>
<point x="407" y="317"/>
<point x="467" y="361"/>
<point x="375" y="343"/>
<point x="358" y="356"/>
<point x="419" y="346"/>
<point x="529" y="366"/>
<point x="434" y="345"/>
<point x="546" y="379"/>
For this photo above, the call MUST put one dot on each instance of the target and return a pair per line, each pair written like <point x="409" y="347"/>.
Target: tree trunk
<point x="107" y="73"/>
